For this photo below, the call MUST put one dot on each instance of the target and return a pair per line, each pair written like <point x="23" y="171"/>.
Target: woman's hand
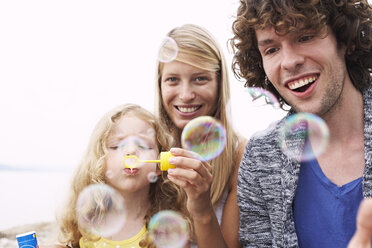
<point x="195" y="177"/>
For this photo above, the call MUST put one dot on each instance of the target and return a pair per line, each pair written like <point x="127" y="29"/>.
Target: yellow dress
<point x="133" y="242"/>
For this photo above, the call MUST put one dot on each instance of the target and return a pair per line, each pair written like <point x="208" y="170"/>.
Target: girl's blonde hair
<point x="202" y="51"/>
<point x="163" y="193"/>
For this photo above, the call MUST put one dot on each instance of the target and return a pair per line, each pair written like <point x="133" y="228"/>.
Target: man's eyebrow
<point x="265" y="42"/>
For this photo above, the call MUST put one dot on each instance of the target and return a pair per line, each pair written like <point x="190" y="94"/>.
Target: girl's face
<point x="188" y="92"/>
<point x="131" y="136"/>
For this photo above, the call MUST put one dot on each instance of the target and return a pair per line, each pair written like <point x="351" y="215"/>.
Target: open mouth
<point x="188" y="109"/>
<point x="302" y="84"/>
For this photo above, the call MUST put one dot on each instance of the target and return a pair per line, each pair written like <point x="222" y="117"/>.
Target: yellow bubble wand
<point x="164" y="164"/>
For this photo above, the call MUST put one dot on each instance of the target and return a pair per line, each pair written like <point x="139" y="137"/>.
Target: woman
<point x="196" y="84"/>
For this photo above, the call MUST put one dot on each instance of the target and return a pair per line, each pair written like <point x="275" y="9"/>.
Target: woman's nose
<point x="187" y="93"/>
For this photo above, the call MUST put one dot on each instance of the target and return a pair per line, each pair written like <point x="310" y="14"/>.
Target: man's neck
<point x="343" y="160"/>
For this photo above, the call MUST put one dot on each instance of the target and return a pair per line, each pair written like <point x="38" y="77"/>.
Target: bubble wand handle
<point x="150" y="161"/>
<point x="164" y="164"/>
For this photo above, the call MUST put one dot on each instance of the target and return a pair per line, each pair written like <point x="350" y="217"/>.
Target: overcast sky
<point x="63" y="64"/>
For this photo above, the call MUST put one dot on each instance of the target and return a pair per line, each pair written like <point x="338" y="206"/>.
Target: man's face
<point x="307" y="69"/>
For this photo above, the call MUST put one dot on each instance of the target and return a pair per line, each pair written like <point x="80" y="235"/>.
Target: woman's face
<point x="188" y="92"/>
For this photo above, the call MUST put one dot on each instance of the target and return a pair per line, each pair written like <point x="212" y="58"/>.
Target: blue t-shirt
<point x="325" y="214"/>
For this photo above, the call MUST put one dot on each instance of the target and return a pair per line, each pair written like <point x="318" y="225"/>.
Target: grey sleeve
<point x="255" y="229"/>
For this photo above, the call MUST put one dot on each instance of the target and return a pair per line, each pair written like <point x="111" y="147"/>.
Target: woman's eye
<point x="201" y="79"/>
<point x="171" y="79"/>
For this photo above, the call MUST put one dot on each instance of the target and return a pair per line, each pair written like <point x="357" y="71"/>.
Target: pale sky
<point x="63" y="64"/>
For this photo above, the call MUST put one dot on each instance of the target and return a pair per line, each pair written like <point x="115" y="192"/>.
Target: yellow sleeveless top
<point x="132" y="242"/>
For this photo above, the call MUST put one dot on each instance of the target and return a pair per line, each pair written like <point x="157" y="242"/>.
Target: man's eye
<point x="306" y="38"/>
<point x="271" y="51"/>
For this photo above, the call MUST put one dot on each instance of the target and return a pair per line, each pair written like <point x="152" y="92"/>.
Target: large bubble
<point x="262" y="97"/>
<point x="100" y="210"/>
<point x="205" y="136"/>
<point x="168" y="229"/>
<point x="168" y="50"/>
<point x="303" y="136"/>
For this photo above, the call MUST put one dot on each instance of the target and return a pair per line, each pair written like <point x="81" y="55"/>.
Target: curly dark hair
<point x="349" y="20"/>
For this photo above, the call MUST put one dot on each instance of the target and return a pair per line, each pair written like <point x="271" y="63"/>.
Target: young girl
<point x="126" y="130"/>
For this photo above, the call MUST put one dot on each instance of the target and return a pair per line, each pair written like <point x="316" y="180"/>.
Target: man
<point x="316" y="57"/>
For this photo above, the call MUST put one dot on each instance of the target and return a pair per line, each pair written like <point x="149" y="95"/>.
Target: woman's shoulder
<point x="240" y="146"/>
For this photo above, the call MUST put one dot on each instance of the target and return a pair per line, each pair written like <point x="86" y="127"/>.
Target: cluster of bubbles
<point x="303" y="136"/>
<point x="168" y="229"/>
<point x="205" y="136"/>
<point x="262" y="97"/>
<point x="100" y="210"/>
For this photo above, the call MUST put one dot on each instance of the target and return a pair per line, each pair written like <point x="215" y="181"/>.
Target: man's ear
<point x="347" y="51"/>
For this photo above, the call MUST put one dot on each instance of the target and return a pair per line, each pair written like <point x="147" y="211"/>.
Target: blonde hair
<point x="163" y="194"/>
<point x="203" y="52"/>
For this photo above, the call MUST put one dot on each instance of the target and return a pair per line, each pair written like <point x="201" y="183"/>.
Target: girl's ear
<point x="158" y="171"/>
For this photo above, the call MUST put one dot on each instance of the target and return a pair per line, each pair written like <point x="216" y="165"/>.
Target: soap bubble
<point x="262" y="97"/>
<point x="100" y="210"/>
<point x="168" y="229"/>
<point x="152" y="177"/>
<point x="168" y="50"/>
<point x="205" y="136"/>
<point x="303" y="136"/>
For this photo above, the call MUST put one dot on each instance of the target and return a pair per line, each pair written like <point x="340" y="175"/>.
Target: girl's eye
<point x="143" y="146"/>
<point x="113" y="147"/>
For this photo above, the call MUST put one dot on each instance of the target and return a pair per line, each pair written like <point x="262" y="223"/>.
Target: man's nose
<point x="292" y="59"/>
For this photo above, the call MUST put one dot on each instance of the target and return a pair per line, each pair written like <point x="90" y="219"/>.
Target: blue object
<point x="324" y="213"/>
<point x="27" y="240"/>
